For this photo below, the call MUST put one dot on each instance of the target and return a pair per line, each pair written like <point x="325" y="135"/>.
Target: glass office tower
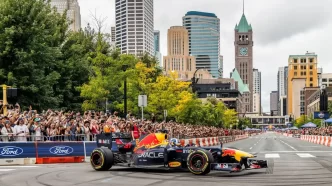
<point x="204" y="40"/>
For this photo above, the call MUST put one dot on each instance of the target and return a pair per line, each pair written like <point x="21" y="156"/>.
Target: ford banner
<point x="17" y="150"/>
<point x="56" y="149"/>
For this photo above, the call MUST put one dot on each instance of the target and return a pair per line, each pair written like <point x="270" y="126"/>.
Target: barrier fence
<point x="43" y="152"/>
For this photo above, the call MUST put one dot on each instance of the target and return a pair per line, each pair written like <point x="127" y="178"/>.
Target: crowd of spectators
<point x="319" y="131"/>
<point x="53" y="125"/>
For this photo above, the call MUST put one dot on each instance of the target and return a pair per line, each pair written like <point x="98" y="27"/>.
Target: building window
<point x="303" y="60"/>
<point x="311" y="79"/>
<point x="311" y="60"/>
<point x="295" y="60"/>
<point x="295" y="73"/>
<point x="311" y="73"/>
<point x="311" y="85"/>
<point x="304" y="73"/>
<point x="311" y="67"/>
<point x="295" y="67"/>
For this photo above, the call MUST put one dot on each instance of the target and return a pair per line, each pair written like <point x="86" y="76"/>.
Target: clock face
<point x="243" y="51"/>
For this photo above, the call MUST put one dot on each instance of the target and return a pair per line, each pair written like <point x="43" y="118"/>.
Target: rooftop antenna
<point x="243" y="7"/>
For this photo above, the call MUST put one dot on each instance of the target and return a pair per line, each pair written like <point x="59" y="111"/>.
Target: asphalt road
<point x="291" y="162"/>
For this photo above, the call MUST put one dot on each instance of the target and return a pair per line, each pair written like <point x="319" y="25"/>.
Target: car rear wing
<point x="107" y="139"/>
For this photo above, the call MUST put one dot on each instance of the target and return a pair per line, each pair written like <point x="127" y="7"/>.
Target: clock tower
<point x="243" y="59"/>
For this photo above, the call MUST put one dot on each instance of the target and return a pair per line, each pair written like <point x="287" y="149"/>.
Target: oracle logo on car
<point x="61" y="150"/>
<point x="10" y="151"/>
<point x="174" y="164"/>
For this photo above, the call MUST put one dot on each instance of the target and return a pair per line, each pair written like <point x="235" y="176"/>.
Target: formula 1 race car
<point x="156" y="151"/>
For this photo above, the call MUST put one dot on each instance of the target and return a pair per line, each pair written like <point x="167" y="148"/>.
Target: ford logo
<point x="10" y="151"/>
<point x="61" y="150"/>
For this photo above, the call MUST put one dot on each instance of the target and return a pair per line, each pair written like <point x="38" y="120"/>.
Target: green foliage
<point x="303" y="119"/>
<point x="30" y="35"/>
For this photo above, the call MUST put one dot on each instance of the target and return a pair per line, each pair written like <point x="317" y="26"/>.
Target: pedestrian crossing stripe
<point x="301" y="155"/>
<point x="6" y="170"/>
<point x="272" y="156"/>
<point x="305" y="155"/>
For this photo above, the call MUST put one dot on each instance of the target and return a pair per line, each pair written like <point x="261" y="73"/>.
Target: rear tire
<point x="199" y="161"/>
<point x="101" y="159"/>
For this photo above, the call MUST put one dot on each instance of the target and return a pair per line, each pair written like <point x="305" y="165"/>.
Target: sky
<point x="280" y="28"/>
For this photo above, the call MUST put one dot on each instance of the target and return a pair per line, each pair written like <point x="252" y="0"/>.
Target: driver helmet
<point x="174" y="141"/>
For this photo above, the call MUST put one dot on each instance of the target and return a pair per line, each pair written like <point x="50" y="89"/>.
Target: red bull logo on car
<point x="228" y="152"/>
<point x="151" y="141"/>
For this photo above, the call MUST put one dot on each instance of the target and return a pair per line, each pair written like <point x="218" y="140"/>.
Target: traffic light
<point x="11" y="92"/>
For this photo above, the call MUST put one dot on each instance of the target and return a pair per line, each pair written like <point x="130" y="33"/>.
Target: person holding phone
<point x="21" y="131"/>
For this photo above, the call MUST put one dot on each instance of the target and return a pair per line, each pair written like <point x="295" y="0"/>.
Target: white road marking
<point x="305" y="155"/>
<point x="17" y="166"/>
<point x="262" y="152"/>
<point x="6" y="170"/>
<point x="288" y="145"/>
<point x="272" y="156"/>
<point x="250" y="148"/>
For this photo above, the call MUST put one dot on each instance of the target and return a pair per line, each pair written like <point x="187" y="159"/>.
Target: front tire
<point x="101" y="159"/>
<point x="199" y="161"/>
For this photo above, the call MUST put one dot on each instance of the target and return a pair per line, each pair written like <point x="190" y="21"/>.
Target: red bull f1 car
<point x="155" y="150"/>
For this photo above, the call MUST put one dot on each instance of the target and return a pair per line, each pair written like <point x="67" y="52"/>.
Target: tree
<point x="165" y="93"/>
<point x="230" y="118"/>
<point x="30" y="35"/>
<point x="76" y="67"/>
<point x="330" y="107"/>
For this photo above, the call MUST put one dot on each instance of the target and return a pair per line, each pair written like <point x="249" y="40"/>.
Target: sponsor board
<point x="174" y="164"/>
<point x="10" y="151"/>
<point x="61" y="150"/>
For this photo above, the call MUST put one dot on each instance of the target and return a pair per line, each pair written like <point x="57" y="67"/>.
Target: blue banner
<point x="58" y="149"/>
<point x="17" y="150"/>
<point x="321" y="115"/>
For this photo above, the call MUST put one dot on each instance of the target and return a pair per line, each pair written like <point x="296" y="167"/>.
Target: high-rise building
<point x="178" y="58"/>
<point x="157" y="47"/>
<point x="134" y="26"/>
<point x="320" y="76"/>
<point x="326" y="80"/>
<point x="274" y="103"/>
<point x="221" y="66"/>
<point x="282" y="90"/>
<point x="303" y="67"/>
<point x="156" y="37"/>
<point x="204" y="40"/>
<point x="244" y="57"/>
<point x="113" y="34"/>
<point x="257" y="91"/>
<point x="73" y="12"/>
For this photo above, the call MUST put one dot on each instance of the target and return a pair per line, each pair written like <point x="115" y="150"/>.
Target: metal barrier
<point x="24" y="138"/>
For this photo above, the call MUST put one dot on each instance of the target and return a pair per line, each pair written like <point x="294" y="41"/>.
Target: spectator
<point x="7" y="133"/>
<point x="21" y="130"/>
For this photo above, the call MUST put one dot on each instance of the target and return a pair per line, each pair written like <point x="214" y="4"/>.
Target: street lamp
<point x="124" y="68"/>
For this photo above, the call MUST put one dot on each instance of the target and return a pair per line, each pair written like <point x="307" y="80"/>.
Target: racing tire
<point x="199" y="162"/>
<point x="101" y="159"/>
